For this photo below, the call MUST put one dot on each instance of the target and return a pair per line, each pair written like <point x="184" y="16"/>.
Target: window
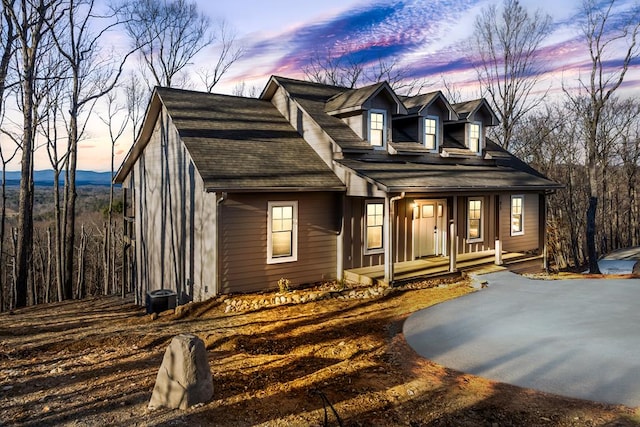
<point x="431" y="133"/>
<point x="282" y="232"/>
<point x="517" y="217"/>
<point x="474" y="137"/>
<point x="377" y="128"/>
<point x="474" y="220"/>
<point x="374" y="225"/>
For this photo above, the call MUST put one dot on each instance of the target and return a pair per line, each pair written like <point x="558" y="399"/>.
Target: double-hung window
<point x="474" y="220"/>
<point x="374" y="225"/>
<point x="517" y="215"/>
<point x="377" y="128"/>
<point x="431" y="133"/>
<point x="282" y="232"/>
<point x="474" y="137"/>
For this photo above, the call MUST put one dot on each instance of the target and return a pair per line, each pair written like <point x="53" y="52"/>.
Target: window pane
<point x="427" y="211"/>
<point x="287" y="212"/>
<point x="430" y="130"/>
<point x="374" y="225"/>
<point x="475" y="219"/>
<point x="377" y="121"/>
<point x="376" y="129"/>
<point x="516" y="223"/>
<point x="516" y="214"/>
<point x="474" y="137"/>
<point x="374" y="237"/>
<point x="277" y="212"/>
<point x="474" y="228"/>
<point x="281" y="243"/>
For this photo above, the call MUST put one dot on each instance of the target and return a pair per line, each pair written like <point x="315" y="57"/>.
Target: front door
<point x="429" y="228"/>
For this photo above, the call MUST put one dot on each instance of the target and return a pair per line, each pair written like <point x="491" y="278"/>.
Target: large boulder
<point x="184" y="378"/>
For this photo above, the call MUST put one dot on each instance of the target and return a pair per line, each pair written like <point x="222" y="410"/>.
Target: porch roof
<point x="396" y="176"/>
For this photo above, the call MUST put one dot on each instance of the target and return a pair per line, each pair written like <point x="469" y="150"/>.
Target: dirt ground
<point x="94" y="362"/>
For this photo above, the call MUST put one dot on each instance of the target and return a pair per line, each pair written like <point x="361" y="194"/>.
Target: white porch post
<point x="453" y="247"/>
<point x="340" y="244"/>
<point x="387" y="240"/>
<point x="453" y="237"/>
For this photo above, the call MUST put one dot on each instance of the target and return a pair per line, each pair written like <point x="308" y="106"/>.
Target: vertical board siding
<point x="243" y="236"/>
<point x="354" y="235"/>
<point x="173" y="219"/>
<point x="529" y="241"/>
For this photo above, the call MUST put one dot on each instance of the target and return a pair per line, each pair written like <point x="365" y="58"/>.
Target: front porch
<point x="438" y="266"/>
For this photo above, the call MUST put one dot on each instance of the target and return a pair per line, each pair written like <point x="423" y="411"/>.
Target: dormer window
<point x="431" y="133"/>
<point x="475" y="137"/>
<point x="377" y="128"/>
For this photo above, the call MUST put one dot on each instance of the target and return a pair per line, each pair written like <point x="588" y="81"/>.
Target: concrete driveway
<point x="578" y="338"/>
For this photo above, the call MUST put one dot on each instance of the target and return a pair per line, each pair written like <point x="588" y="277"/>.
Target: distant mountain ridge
<point x="45" y="178"/>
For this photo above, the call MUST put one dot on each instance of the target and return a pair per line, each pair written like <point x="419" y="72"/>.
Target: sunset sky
<point x="426" y="36"/>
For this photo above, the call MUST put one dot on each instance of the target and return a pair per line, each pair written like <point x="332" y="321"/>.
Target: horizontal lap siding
<point x="243" y="253"/>
<point x="529" y="241"/>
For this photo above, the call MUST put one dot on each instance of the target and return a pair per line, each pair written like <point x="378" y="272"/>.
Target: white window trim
<point x="480" y="137"/>
<point x="374" y="251"/>
<point x="521" y="232"/>
<point x="294" y="238"/>
<point x="384" y="129"/>
<point x="481" y="238"/>
<point x="437" y="135"/>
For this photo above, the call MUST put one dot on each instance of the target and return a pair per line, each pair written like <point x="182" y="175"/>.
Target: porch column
<point x="498" y="249"/>
<point x="453" y="246"/>
<point x="388" y="241"/>
<point x="453" y="237"/>
<point x="542" y="229"/>
<point x="340" y="243"/>
<point x="389" y="211"/>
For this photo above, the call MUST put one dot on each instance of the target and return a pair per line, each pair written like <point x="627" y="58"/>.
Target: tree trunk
<point x="70" y="208"/>
<point x="81" y="254"/>
<point x="591" y="236"/>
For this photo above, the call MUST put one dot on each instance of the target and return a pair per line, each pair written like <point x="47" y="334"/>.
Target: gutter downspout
<point x="388" y="253"/>
<point x="216" y="238"/>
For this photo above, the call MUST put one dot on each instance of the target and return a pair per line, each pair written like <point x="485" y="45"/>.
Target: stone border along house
<point x="229" y="194"/>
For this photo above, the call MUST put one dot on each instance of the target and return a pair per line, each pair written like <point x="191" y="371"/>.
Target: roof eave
<point x="461" y="189"/>
<point x="144" y="134"/>
<point x="232" y="189"/>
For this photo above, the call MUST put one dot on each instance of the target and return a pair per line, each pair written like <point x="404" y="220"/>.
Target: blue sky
<point x="425" y="36"/>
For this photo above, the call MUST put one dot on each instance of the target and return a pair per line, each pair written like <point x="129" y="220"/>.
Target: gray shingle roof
<point x="415" y="103"/>
<point x="351" y="99"/>
<point x="312" y="98"/>
<point x="414" y="176"/>
<point x="243" y="143"/>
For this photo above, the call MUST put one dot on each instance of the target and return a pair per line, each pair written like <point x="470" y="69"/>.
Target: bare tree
<point x="347" y="69"/>
<point x="228" y="53"/>
<point x="49" y="128"/>
<point x="241" y="89"/>
<point x="31" y="21"/>
<point x="168" y="33"/>
<point x="337" y="68"/>
<point x="606" y="37"/>
<point x="115" y="132"/>
<point x="92" y="75"/>
<point x="7" y="47"/>
<point x="508" y="69"/>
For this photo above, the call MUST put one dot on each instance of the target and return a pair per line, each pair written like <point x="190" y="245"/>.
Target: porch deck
<point x="433" y="267"/>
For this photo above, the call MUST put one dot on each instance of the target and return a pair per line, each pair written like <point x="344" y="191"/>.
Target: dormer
<point x="476" y="116"/>
<point x="424" y="122"/>
<point x="368" y="112"/>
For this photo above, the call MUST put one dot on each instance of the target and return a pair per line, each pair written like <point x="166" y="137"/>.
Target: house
<point x="229" y="194"/>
